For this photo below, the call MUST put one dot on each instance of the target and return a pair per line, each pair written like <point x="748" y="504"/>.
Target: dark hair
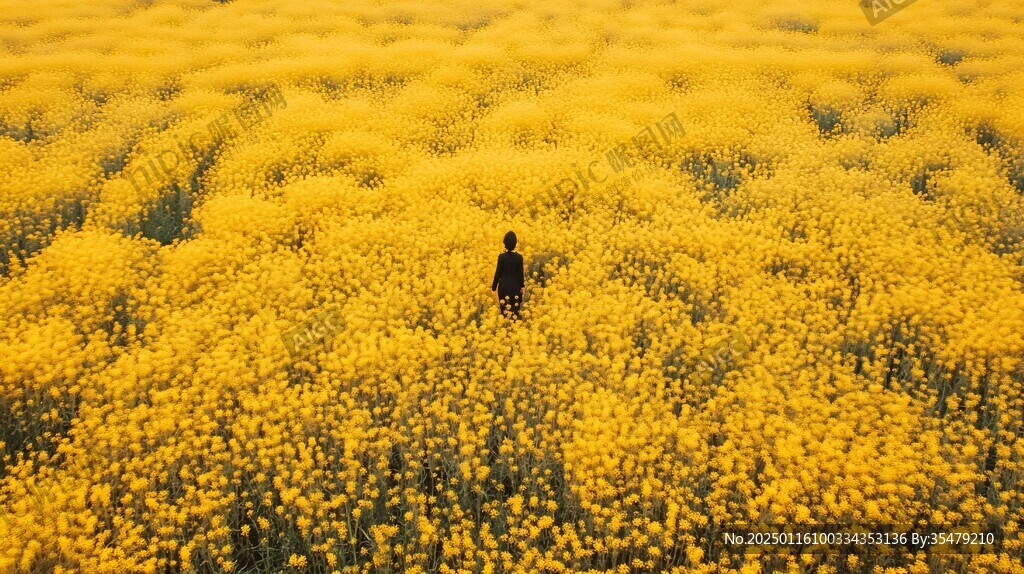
<point x="510" y="240"/>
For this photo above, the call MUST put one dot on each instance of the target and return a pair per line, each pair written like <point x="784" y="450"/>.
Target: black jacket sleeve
<point x="497" y="273"/>
<point x="519" y="272"/>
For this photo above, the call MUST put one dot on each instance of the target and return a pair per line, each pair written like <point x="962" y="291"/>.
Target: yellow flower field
<point x="775" y="276"/>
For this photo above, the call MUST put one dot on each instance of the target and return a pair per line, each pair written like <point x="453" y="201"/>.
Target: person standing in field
<point x="508" y="281"/>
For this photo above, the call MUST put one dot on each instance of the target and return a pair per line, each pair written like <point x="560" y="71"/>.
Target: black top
<point x="509" y="273"/>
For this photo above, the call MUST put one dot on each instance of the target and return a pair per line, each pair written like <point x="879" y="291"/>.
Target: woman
<point x="508" y="278"/>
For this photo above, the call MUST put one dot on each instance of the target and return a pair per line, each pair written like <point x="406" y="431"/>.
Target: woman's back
<point x="508" y="276"/>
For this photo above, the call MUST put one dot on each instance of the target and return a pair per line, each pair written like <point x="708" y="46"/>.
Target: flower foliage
<point x="808" y="307"/>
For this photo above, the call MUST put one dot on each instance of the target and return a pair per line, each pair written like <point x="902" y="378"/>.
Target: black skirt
<point x="508" y="304"/>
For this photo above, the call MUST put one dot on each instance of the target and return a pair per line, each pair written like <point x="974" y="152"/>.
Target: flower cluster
<point x="807" y="306"/>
